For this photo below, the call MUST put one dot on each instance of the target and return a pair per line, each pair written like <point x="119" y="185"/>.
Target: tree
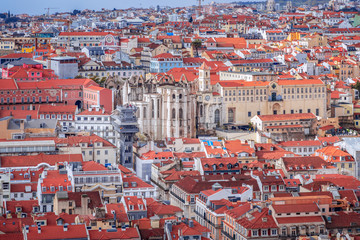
<point x="98" y="80"/>
<point x="75" y="12"/>
<point x="356" y="86"/>
<point x="196" y="44"/>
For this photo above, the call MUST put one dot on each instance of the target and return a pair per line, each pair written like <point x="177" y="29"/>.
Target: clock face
<point x="109" y="39"/>
<point x="207" y="97"/>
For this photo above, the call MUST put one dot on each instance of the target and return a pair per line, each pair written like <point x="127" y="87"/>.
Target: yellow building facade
<point x="242" y="100"/>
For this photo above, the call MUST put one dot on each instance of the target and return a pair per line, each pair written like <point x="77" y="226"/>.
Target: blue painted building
<point x="165" y="62"/>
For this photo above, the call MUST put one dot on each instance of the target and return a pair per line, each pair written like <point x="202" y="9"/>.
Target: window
<point x="255" y="232"/>
<point x="249" y="114"/>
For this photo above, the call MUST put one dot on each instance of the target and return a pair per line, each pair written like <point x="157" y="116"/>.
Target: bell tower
<point x="270" y="5"/>
<point x="204" y="78"/>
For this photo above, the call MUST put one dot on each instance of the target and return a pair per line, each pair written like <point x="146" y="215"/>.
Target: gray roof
<point x="20" y="62"/>
<point x="34" y="123"/>
<point x="41" y="123"/>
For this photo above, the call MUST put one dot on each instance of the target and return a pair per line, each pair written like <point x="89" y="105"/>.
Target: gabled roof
<point x="261" y="219"/>
<point x="119" y="210"/>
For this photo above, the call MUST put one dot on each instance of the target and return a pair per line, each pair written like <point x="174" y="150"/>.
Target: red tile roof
<point x="93" y="166"/>
<point x="304" y="143"/>
<point x="297" y="219"/>
<point x="292" y="208"/>
<point x="129" y="233"/>
<point x="56" y="232"/>
<point x="257" y="221"/>
<point x="307" y="162"/>
<point x="287" y="117"/>
<point x="25" y="205"/>
<point x="160" y="209"/>
<point x="119" y="210"/>
<point x="35" y="160"/>
<point x="134" y="179"/>
<point x="342" y="220"/>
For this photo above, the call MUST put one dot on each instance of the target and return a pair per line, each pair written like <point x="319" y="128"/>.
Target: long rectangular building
<point x="241" y="100"/>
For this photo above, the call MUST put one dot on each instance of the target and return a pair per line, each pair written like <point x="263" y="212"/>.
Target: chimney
<point x="39" y="229"/>
<point x="27" y="228"/>
<point x="65" y="227"/>
<point x="99" y="229"/>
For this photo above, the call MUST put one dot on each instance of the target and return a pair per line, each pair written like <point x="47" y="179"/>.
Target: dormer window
<point x="18" y="209"/>
<point x="140" y="206"/>
<point x="131" y="207"/>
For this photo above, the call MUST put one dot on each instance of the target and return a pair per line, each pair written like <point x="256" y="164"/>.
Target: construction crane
<point x="48" y="10"/>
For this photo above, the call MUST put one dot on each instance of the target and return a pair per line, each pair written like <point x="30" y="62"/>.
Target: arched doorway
<point x="230" y="115"/>
<point x="78" y="103"/>
<point x="276" y="108"/>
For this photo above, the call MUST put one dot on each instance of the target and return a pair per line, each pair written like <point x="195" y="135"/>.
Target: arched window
<point x="180" y="96"/>
<point x="144" y="112"/>
<point x="173" y="113"/>
<point x="180" y="117"/>
<point x="217" y="116"/>
<point x="158" y="108"/>
<point x="230" y="115"/>
<point x="152" y="108"/>
<point x="173" y="96"/>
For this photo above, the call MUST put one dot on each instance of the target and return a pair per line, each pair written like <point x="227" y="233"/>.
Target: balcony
<point x="177" y="197"/>
<point x="227" y="235"/>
